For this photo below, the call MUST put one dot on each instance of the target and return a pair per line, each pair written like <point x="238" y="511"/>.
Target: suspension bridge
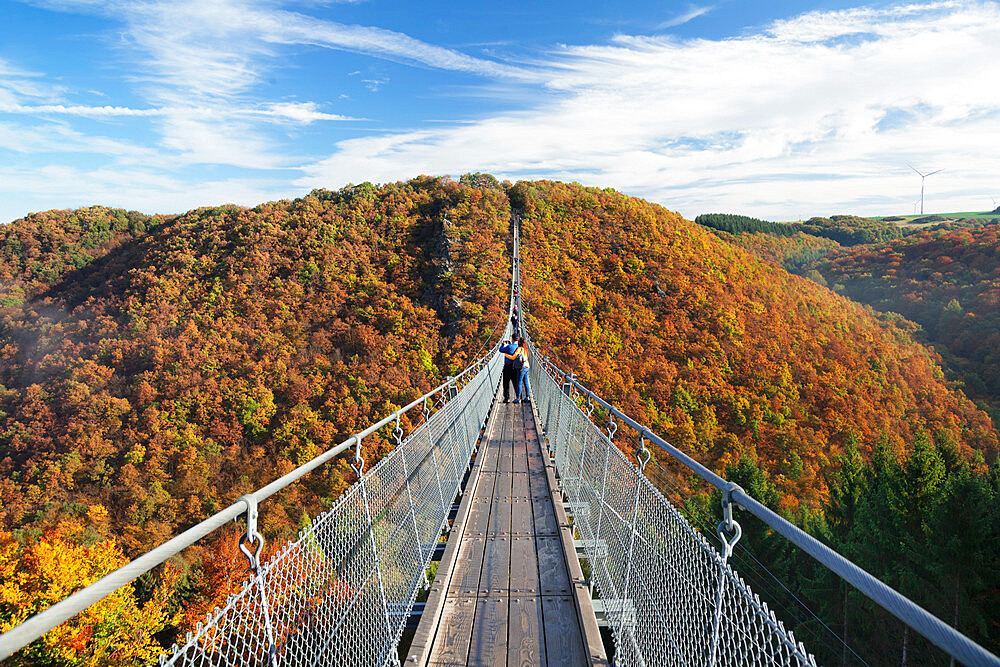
<point x="509" y="499"/>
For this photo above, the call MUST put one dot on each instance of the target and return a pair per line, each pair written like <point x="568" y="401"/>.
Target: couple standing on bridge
<point x="515" y="369"/>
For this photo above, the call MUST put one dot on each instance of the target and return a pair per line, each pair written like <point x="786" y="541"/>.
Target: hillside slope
<point x="724" y="354"/>
<point x="948" y="282"/>
<point x="154" y="369"/>
<point x="193" y="363"/>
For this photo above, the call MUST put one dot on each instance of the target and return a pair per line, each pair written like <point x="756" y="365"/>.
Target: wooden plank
<point x="521" y="486"/>
<point x="451" y="646"/>
<point x="520" y="517"/>
<point x="554" y="580"/>
<point x="538" y="483"/>
<point x="594" y="646"/>
<point x="495" y="577"/>
<point x="523" y="566"/>
<point x="478" y="524"/>
<point x="525" y="633"/>
<point x="563" y="640"/>
<point x="544" y="516"/>
<point x="487" y="484"/>
<point x="536" y="464"/>
<point x="488" y="647"/>
<point x="423" y="640"/>
<point x="504" y="486"/>
<point x="468" y="567"/>
<point x="500" y="512"/>
<point x="491" y="457"/>
<point x="506" y="457"/>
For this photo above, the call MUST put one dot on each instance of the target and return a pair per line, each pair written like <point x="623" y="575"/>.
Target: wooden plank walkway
<point x="509" y="590"/>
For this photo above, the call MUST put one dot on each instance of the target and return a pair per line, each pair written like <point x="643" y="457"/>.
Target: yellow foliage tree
<point x="118" y="630"/>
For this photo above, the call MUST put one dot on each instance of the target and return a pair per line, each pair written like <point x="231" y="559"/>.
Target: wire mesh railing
<point x="340" y="593"/>
<point x="669" y="596"/>
<point x="343" y="590"/>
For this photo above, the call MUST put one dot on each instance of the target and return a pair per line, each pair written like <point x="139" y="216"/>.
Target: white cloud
<point x="18" y="84"/>
<point x="59" y="138"/>
<point x="300" y="112"/>
<point x="784" y="122"/>
<point x="78" y="110"/>
<point x="200" y="62"/>
<point x="817" y="113"/>
<point x="691" y="14"/>
<point x="147" y="190"/>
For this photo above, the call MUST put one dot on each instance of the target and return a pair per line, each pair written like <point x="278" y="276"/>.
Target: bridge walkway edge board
<point x="531" y="605"/>
<point x="580" y="598"/>
<point x="435" y="607"/>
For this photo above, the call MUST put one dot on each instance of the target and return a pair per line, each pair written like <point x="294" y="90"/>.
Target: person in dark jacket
<point x="510" y="378"/>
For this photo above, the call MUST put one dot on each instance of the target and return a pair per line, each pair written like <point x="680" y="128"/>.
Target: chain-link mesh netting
<point x="340" y="594"/>
<point x="668" y="594"/>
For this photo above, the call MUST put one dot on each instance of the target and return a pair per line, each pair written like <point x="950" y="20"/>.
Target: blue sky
<point x="780" y="110"/>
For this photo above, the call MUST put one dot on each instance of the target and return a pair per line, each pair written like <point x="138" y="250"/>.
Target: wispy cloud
<point x="692" y="13"/>
<point x="198" y="62"/>
<point x="300" y="112"/>
<point x="816" y="113"/>
<point x="20" y="84"/>
<point x="782" y="122"/>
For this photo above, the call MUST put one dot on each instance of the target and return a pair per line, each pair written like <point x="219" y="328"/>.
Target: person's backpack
<point x="518" y="361"/>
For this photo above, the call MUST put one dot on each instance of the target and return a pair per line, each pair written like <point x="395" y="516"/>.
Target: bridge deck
<point x="509" y="590"/>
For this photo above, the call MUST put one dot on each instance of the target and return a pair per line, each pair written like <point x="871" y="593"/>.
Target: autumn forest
<point x="153" y="369"/>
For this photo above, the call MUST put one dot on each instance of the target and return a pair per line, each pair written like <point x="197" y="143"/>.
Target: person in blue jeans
<point x="519" y="361"/>
<point x="510" y="377"/>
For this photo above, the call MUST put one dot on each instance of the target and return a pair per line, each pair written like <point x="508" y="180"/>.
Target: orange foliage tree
<point x="118" y="630"/>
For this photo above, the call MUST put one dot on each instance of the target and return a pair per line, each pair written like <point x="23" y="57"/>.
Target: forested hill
<point x="164" y="372"/>
<point x="154" y="369"/>
<point x="948" y="282"/>
<point x="724" y="354"/>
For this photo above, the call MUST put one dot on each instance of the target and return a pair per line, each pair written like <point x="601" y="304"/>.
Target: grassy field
<point x="953" y="216"/>
<point x="929" y="218"/>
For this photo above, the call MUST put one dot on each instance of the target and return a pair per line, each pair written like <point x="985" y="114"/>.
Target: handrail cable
<point x="922" y="621"/>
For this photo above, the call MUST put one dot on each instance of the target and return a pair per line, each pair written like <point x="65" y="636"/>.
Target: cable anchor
<point x="642" y="453"/>
<point x="397" y="432"/>
<point x="729" y="524"/>
<point x="251" y="536"/>
<point x="357" y="463"/>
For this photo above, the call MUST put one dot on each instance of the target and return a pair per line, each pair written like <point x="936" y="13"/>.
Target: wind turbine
<point x="922" y="177"/>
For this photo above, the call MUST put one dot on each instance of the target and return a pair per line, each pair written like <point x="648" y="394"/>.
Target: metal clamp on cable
<point x="728" y="524"/>
<point x="251" y="536"/>
<point x="612" y="429"/>
<point x="357" y="463"/>
<point x="643" y="455"/>
<point x="397" y="432"/>
<point x="427" y="410"/>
